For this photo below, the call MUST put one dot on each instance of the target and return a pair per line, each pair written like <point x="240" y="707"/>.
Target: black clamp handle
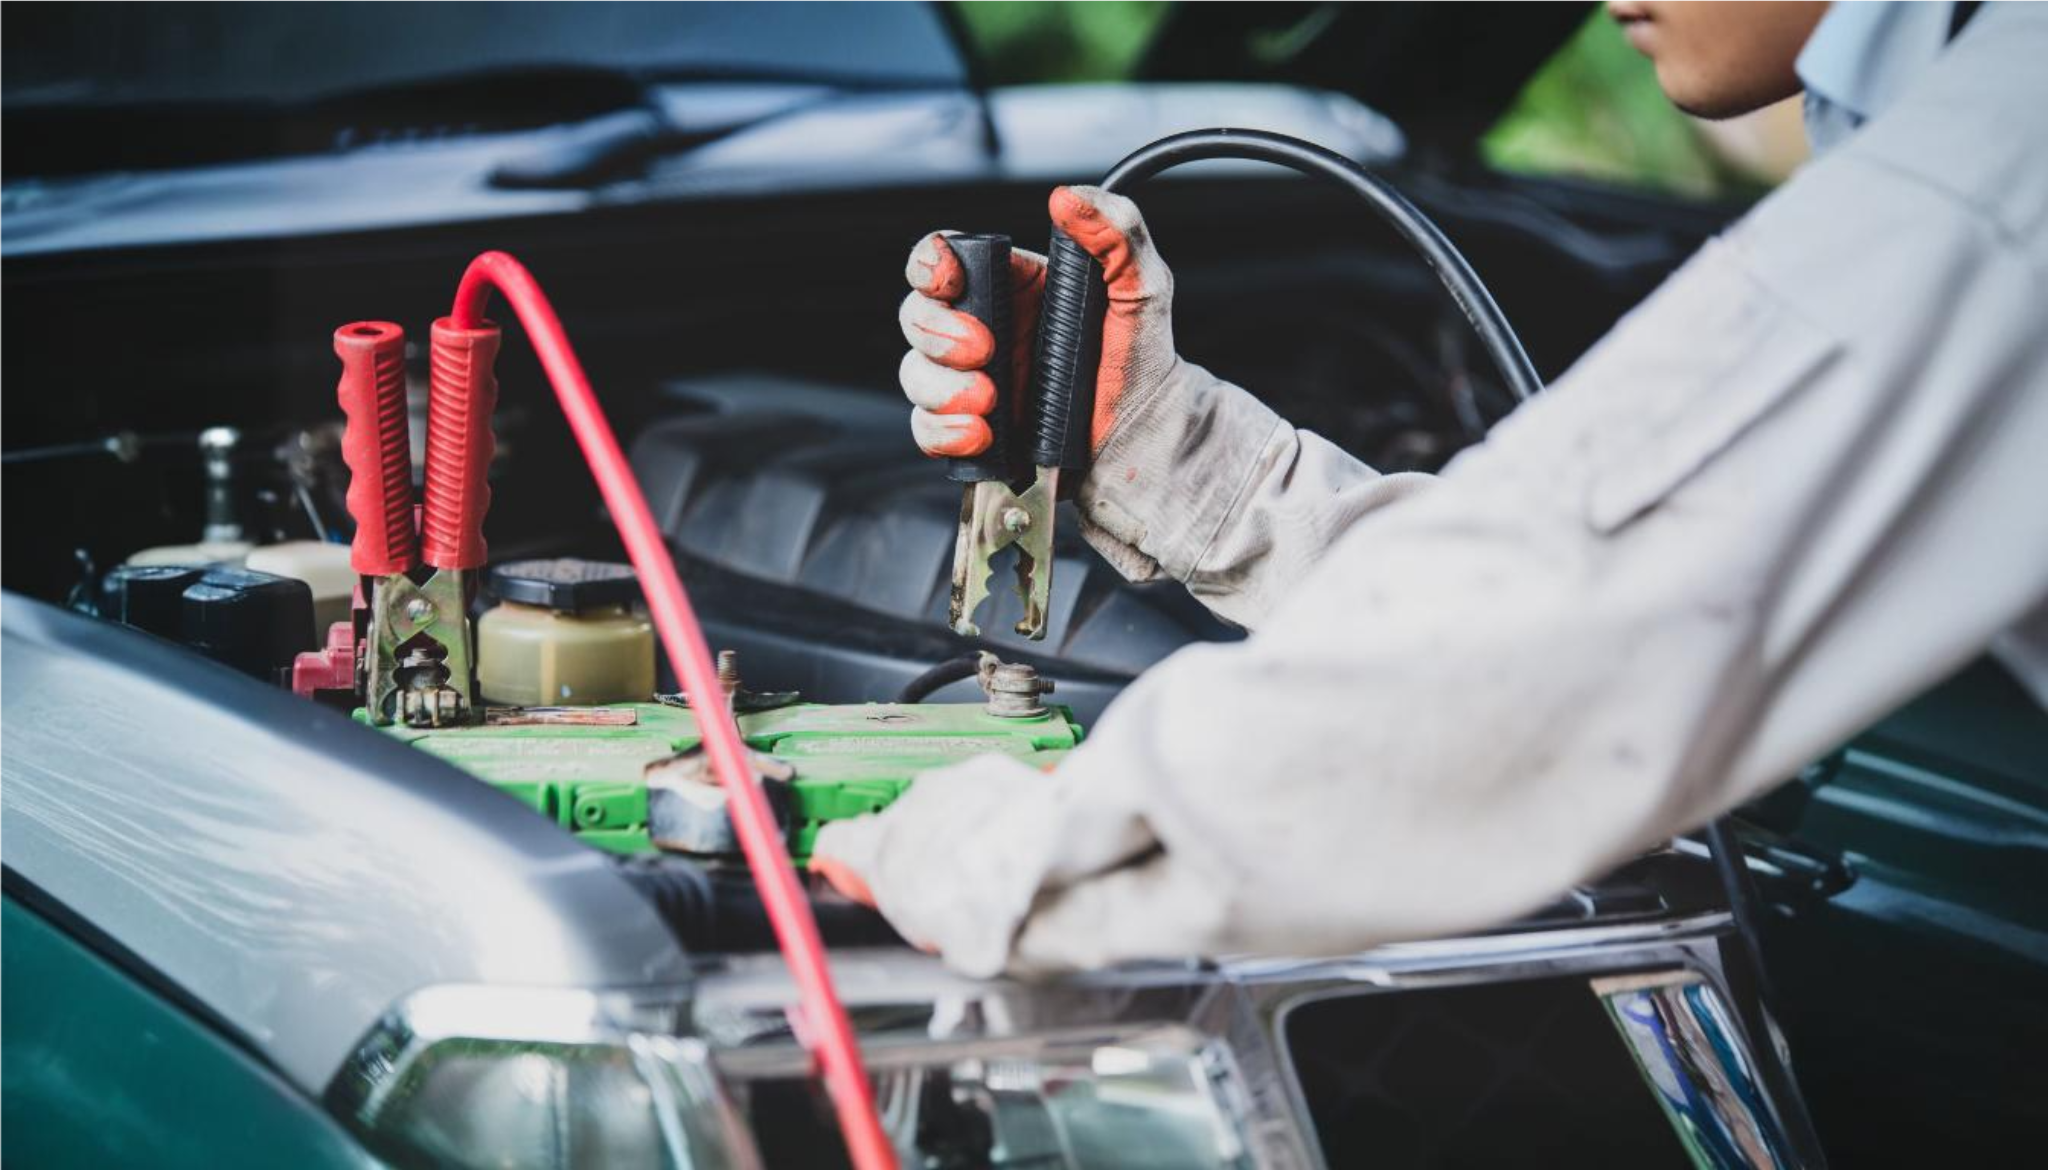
<point x="1069" y="350"/>
<point x="985" y="264"/>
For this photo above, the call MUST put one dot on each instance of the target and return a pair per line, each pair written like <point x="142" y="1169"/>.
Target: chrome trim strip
<point x="1690" y="1052"/>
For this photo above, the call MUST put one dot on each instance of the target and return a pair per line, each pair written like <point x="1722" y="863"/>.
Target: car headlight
<point x="513" y="1077"/>
<point x="504" y="1077"/>
<point x="1128" y="1096"/>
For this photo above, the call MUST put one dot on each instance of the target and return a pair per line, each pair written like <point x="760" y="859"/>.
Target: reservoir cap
<point x="565" y="584"/>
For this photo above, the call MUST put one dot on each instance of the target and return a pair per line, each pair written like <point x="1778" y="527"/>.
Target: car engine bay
<point x="443" y="764"/>
<point x="539" y="674"/>
<point x="531" y="662"/>
<point x="204" y="499"/>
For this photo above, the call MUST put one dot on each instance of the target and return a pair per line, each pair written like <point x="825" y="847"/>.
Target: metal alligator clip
<point x="417" y="662"/>
<point x="996" y="511"/>
<point x="1037" y="433"/>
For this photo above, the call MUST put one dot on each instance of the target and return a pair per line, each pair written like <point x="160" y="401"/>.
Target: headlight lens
<point x="501" y="1078"/>
<point x="1130" y="1097"/>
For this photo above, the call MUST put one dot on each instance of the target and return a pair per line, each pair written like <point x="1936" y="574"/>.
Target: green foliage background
<point x="1027" y="42"/>
<point x="1594" y="110"/>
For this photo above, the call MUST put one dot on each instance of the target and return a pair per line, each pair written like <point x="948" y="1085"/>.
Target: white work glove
<point x="1010" y="830"/>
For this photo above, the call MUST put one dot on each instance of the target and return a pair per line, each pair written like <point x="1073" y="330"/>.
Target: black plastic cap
<point x="148" y="597"/>
<point x="565" y="584"/>
<point x="254" y="622"/>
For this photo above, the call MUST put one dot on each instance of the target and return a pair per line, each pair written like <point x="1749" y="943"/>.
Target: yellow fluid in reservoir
<point x="528" y="656"/>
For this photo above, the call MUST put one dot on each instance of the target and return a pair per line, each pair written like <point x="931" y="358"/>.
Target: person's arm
<point x="1800" y="483"/>
<point x="1208" y="486"/>
<point x="1194" y="479"/>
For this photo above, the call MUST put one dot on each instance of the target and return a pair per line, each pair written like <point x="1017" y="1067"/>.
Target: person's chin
<point x="1697" y="110"/>
<point x="1700" y="101"/>
<point x="1717" y="91"/>
<point x="1713" y="107"/>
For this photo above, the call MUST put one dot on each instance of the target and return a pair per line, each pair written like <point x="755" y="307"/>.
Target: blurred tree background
<point x="1019" y="43"/>
<point x="1592" y="111"/>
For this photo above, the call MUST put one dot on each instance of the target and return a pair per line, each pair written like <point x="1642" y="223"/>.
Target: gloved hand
<point x="943" y="374"/>
<point x="960" y="861"/>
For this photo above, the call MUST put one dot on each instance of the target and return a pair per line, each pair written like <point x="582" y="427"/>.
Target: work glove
<point x="959" y="861"/>
<point x="944" y="373"/>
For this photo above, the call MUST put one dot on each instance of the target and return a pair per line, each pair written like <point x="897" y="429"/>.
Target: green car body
<point x="101" y="1069"/>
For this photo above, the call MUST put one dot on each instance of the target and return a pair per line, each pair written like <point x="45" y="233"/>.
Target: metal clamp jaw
<point x="420" y="656"/>
<point x="992" y="518"/>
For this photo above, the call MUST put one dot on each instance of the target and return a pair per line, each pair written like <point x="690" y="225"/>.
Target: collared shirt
<point x="1861" y="58"/>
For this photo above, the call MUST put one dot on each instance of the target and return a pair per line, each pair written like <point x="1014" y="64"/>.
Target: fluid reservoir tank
<point x="565" y="632"/>
<point x="322" y="566"/>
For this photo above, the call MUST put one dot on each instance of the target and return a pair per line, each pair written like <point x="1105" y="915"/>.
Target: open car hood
<point x="1444" y="73"/>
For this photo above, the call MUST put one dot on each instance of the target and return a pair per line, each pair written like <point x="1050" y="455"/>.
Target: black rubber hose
<point x="1744" y="905"/>
<point x="1743" y="900"/>
<point x="1423" y="235"/>
<point x="1745" y="908"/>
<point x="950" y="671"/>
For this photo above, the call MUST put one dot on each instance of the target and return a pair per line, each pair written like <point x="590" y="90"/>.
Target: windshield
<point x="282" y="53"/>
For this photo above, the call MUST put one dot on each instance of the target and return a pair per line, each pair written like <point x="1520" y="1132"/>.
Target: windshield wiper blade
<point x="53" y="139"/>
<point x="49" y="139"/>
<point x="621" y="145"/>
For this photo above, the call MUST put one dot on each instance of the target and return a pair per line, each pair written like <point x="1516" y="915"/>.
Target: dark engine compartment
<point x="745" y="352"/>
<point x="746" y="355"/>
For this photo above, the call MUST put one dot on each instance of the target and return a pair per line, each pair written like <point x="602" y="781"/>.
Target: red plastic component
<point x="820" y="1022"/>
<point x="376" y="447"/>
<point x="330" y="668"/>
<point x="463" y="389"/>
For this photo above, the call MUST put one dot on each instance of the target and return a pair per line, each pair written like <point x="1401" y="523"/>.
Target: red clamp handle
<point x="376" y="447"/>
<point x="463" y="391"/>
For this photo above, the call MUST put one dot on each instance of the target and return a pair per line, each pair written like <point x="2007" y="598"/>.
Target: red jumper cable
<point x="821" y="1020"/>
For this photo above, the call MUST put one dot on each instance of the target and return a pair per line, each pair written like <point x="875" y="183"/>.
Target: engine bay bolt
<point x="737" y="696"/>
<point x="217" y="449"/>
<point x="1014" y="689"/>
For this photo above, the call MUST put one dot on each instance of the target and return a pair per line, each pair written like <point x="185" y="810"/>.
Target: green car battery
<point x="585" y="768"/>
